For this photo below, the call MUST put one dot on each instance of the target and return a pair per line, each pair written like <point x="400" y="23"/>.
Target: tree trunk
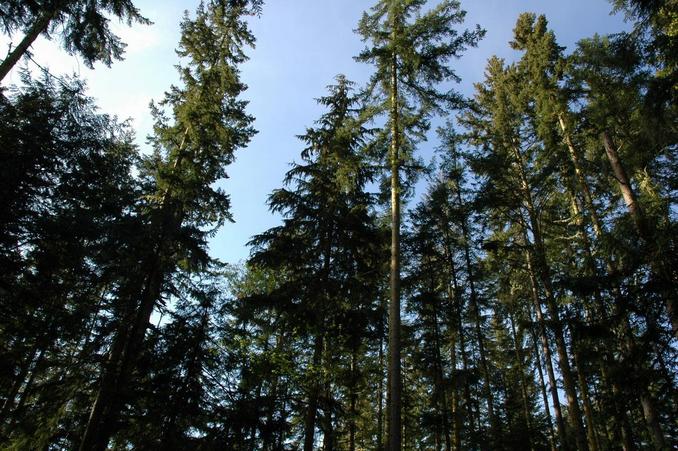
<point x="494" y="423"/>
<point x="456" y="413"/>
<point x="394" y="407"/>
<point x="39" y="26"/>
<point x="312" y="408"/>
<point x="19" y="380"/>
<point x="542" y="388"/>
<point x="123" y="356"/>
<point x="23" y="396"/>
<point x="454" y="295"/>
<point x="129" y="339"/>
<point x="650" y="414"/>
<point x="523" y="388"/>
<point x="544" y="273"/>
<point x="353" y="399"/>
<point x="380" y="395"/>
<point x="560" y="424"/>
<point x="267" y="430"/>
<point x="470" y="414"/>
<point x="283" y="419"/>
<point x="328" y="426"/>
<point x="591" y="434"/>
<point x="648" y="405"/>
<point x="468" y="400"/>
<point x="624" y="184"/>
<point x="441" y="398"/>
<point x="579" y="172"/>
<point x="639" y="222"/>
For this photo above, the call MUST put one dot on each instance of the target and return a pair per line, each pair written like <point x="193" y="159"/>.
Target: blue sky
<point x="301" y="46"/>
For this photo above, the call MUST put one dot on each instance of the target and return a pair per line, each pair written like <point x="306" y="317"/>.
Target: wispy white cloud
<point x="139" y="39"/>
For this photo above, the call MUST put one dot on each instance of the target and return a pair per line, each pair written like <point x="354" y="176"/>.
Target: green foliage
<point x="418" y="45"/>
<point x="526" y="275"/>
<point x="67" y="213"/>
<point x="82" y="26"/>
<point x="330" y="251"/>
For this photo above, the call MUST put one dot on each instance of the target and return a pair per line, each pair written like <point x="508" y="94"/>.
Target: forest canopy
<point x="525" y="298"/>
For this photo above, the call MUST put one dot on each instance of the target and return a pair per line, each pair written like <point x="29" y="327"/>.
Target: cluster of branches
<point x="537" y="273"/>
<point x="97" y="236"/>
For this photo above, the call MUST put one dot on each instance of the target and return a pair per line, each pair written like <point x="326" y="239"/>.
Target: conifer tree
<point x="191" y="152"/>
<point x="66" y="216"/>
<point x="411" y="49"/>
<point x="498" y="128"/>
<point x="81" y="25"/>
<point x="328" y="245"/>
<point x="537" y="267"/>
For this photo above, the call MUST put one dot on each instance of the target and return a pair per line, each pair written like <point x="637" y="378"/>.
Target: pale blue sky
<point x="301" y="46"/>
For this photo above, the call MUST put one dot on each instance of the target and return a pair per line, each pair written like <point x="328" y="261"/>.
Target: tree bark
<point x="494" y="423"/>
<point x="39" y="26"/>
<point x="542" y="388"/>
<point x="591" y="434"/>
<point x="123" y="356"/>
<point x="581" y="178"/>
<point x="637" y="216"/>
<point x="454" y="296"/>
<point x="353" y="399"/>
<point x="328" y="426"/>
<point x="129" y="337"/>
<point x="380" y="395"/>
<point x="267" y="431"/>
<point x="19" y="380"/>
<point x="440" y="395"/>
<point x="312" y="408"/>
<point x="456" y="413"/>
<point x="647" y="404"/>
<point x="624" y="183"/>
<point x="523" y="388"/>
<point x="487" y="387"/>
<point x="544" y="274"/>
<point x="650" y="414"/>
<point x="560" y="424"/>
<point x="23" y="396"/>
<point x="394" y="407"/>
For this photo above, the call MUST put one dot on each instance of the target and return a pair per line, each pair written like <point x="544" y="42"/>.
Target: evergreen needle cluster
<point x="526" y="300"/>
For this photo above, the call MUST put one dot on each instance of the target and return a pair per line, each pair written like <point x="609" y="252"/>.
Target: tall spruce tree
<point x="66" y="215"/>
<point x="513" y="178"/>
<point x="191" y="153"/>
<point x="410" y="49"/>
<point x="328" y="246"/>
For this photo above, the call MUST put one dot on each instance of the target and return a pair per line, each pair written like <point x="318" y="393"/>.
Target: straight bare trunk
<point x="395" y="384"/>
<point x="380" y="395"/>
<point x="624" y="183"/>
<point x="560" y="424"/>
<point x="441" y="398"/>
<point x="312" y="407"/>
<point x="494" y="423"/>
<point x="542" y="388"/>
<point x="353" y="399"/>
<point x="523" y="388"/>
<point x="454" y="295"/>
